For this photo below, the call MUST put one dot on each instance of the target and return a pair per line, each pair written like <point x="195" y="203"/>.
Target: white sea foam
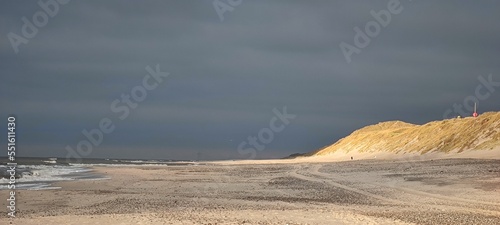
<point x="47" y="173"/>
<point x="40" y="176"/>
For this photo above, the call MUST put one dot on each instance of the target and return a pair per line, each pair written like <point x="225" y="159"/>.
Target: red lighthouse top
<point x="475" y="110"/>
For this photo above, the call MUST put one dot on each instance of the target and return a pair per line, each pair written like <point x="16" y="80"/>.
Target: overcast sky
<point x="226" y="76"/>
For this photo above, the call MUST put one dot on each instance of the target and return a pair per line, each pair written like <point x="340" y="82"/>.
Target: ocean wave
<point x="38" y="177"/>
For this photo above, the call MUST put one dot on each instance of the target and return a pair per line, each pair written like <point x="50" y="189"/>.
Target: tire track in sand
<point x="315" y="171"/>
<point x="338" y="185"/>
<point x="328" y="178"/>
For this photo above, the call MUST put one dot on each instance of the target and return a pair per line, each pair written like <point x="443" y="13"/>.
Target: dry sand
<point x="448" y="191"/>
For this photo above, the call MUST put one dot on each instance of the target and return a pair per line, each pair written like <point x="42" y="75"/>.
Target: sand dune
<point x="466" y="137"/>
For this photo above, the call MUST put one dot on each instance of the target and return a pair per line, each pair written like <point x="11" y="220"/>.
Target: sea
<point x="44" y="173"/>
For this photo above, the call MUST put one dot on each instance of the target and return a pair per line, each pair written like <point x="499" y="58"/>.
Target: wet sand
<point x="448" y="191"/>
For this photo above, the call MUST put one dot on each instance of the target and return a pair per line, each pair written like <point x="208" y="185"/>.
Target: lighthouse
<point x="475" y="110"/>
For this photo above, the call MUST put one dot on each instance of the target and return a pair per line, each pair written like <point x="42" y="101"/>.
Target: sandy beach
<point x="447" y="191"/>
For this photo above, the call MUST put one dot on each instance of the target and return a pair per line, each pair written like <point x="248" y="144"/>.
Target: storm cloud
<point x="226" y="77"/>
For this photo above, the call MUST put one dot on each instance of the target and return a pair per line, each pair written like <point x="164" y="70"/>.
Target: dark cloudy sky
<point x="226" y="77"/>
